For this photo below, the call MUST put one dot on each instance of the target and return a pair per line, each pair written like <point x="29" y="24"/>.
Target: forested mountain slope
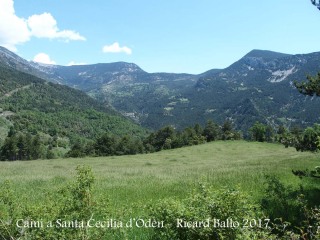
<point x="259" y="87"/>
<point x="31" y="105"/>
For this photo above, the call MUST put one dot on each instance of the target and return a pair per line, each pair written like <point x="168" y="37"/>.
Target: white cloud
<point x="115" y="48"/>
<point x="43" y="58"/>
<point x="15" y="30"/>
<point x="45" y="26"/>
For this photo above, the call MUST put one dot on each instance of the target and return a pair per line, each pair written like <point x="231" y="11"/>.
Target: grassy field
<point x="171" y="173"/>
<point x="130" y="183"/>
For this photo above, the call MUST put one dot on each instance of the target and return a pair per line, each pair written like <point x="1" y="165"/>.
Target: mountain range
<point x="258" y="87"/>
<point x="60" y="115"/>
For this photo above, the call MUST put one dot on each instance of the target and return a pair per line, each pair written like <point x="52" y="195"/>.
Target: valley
<point x="164" y="120"/>
<point x="258" y="87"/>
<point x="84" y="117"/>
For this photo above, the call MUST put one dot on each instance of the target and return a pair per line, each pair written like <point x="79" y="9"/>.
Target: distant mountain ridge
<point x="12" y="60"/>
<point x="257" y="87"/>
<point x="265" y="54"/>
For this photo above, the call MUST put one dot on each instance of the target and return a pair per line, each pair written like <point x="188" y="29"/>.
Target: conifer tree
<point x="311" y="87"/>
<point x="310" y="139"/>
<point x="211" y="131"/>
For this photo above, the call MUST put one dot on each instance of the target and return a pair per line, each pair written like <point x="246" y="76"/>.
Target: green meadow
<point x="129" y="184"/>
<point x="172" y="173"/>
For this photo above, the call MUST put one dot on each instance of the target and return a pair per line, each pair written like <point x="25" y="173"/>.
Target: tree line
<point x="27" y="146"/>
<point x="307" y="139"/>
<point x="165" y="138"/>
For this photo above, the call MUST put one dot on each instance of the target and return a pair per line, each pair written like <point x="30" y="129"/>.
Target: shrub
<point x="289" y="212"/>
<point x="203" y="213"/>
<point x="73" y="203"/>
<point x="8" y="211"/>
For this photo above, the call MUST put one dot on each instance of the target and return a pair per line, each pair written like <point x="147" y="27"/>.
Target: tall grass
<point x="131" y="184"/>
<point x="145" y="178"/>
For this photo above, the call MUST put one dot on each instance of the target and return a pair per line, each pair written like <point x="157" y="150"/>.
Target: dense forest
<point x="56" y="115"/>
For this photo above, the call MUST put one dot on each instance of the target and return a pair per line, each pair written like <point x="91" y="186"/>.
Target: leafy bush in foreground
<point x="292" y="216"/>
<point x="206" y="214"/>
<point x="63" y="215"/>
<point x="210" y="214"/>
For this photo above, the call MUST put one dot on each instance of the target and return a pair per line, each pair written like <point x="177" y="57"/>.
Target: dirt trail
<point x="9" y="94"/>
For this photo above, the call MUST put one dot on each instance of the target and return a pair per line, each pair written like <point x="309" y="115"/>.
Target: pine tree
<point x="106" y="145"/>
<point x="311" y="136"/>
<point x="258" y="132"/>
<point x="311" y="87"/>
<point x="22" y="147"/>
<point x="9" y="150"/>
<point x="36" y="148"/>
<point x="211" y="131"/>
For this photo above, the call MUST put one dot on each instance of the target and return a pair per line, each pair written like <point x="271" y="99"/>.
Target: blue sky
<point x="160" y="36"/>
